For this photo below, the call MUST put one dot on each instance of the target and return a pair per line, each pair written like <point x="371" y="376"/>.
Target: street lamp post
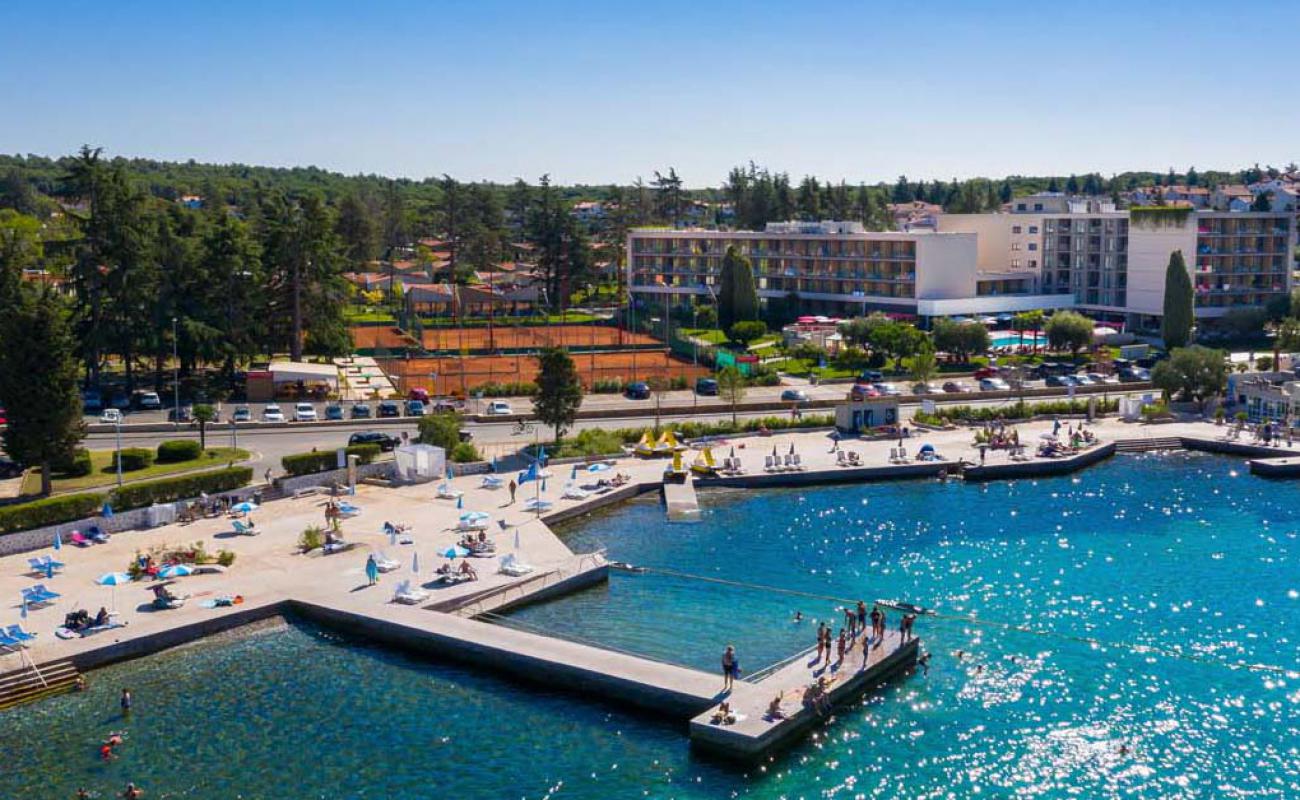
<point x="234" y="436"/>
<point x="118" y="455"/>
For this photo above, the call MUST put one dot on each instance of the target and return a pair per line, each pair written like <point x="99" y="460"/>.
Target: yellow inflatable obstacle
<point x="645" y="448"/>
<point x="704" y="464"/>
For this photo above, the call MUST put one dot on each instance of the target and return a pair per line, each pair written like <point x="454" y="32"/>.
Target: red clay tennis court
<point x="528" y="337"/>
<point x="455" y="375"/>
<point x="374" y="337"/>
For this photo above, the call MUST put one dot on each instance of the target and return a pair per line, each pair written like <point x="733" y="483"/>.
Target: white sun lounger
<point x="409" y="595"/>
<point x="512" y="566"/>
<point x="445" y="492"/>
<point x="385" y="563"/>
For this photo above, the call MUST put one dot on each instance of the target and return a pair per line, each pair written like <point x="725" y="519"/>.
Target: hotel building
<point x="1049" y="251"/>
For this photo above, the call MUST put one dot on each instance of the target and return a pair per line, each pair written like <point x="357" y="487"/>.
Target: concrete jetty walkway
<point x="680" y="501"/>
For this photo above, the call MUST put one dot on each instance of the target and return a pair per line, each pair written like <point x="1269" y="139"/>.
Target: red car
<point x="418" y="393"/>
<point x="985" y="372"/>
<point x="2" y="417"/>
<point x="862" y="391"/>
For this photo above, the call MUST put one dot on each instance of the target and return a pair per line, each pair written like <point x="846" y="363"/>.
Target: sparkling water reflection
<point x="1181" y="552"/>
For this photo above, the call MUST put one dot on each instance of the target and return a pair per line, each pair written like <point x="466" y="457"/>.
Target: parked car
<point x="638" y="390"/>
<point x="304" y="412"/>
<point x="889" y="389"/>
<point x="386" y="442"/>
<point x="1134" y="375"/>
<point x="91" y="402"/>
<point x="706" y="387"/>
<point x="120" y="400"/>
<point x="871" y="376"/>
<point x="794" y="396"/>
<point x="498" y="408"/>
<point x="994" y="385"/>
<point x="985" y="372"/>
<point x="390" y="408"/>
<point x="955" y="387"/>
<point x="1108" y="380"/>
<point x="925" y="388"/>
<point x="1082" y="379"/>
<point x="10" y="469"/>
<point x="361" y="411"/>
<point x="863" y="391"/>
<point x="334" y="412"/>
<point x="465" y="436"/>
<point x="111" y="416"/>
<point x="444" y="405"/>
<point x="148" y="401"/>
<point x="418" y="393"/>
<point x="1061" y="380"/>
<point x="414" y="408"/>
<point x="272" y="413"/>
<point x="182" y="414"/>
<point x="242" y="414"/>
<point x="4" y="419"/>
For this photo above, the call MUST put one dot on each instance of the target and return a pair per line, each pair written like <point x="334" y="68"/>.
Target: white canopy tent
<point x="420" y="463"/>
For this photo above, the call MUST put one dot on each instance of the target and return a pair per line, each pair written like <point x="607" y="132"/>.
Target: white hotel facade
<point x="1048" y="252"/>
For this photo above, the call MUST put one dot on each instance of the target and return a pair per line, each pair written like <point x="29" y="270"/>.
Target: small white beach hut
<point x="420" y="463"/>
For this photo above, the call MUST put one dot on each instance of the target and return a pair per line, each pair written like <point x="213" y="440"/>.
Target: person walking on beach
<point x="126" y="701"/>
<point x="513" y="488"/>
<point x="372" y="569"/>
<point x="730" y="668"/>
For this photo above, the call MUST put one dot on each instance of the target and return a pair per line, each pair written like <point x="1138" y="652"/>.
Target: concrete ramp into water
<point x="681" y="502"/>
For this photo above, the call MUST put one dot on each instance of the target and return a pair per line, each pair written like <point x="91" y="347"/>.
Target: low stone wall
<point x="771" y="480"/>
<point x="121" y="521"/>
<point x="1040" y="467"/>
<point x="598" y="501"/>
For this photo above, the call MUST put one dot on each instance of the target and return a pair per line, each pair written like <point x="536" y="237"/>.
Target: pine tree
<point x="559" y="392"/>
<point x="1176" y="324"/>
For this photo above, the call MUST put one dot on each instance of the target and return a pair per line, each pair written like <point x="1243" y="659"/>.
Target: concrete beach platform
<point x="755" y="733"/>
<point x="1283" y="467"/>
<point x="680" y="501"/>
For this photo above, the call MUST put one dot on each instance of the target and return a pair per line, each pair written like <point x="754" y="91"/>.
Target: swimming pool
<point x="1180" y="552"/>
<point x="1013" y="339"/>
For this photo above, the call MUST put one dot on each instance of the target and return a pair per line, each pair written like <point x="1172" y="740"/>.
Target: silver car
<point x="994" y="385"/>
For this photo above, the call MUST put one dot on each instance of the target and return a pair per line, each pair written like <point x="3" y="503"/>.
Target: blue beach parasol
<point x="175" y="571"/>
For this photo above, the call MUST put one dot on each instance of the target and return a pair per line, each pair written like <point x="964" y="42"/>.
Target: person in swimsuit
<point x="729" y="667"/>
<point x="862" y="617"/>
<point x="843" y="640"/>
<point x="132" y="792"/>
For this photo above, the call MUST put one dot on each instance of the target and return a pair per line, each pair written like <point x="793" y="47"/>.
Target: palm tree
<point x="203" y="414"/>
<point x="731" y="385"/>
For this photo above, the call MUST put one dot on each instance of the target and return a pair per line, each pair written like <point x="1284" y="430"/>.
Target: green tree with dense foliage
<point x="961" y="339"/>
<point x="924" y="365"/>
<point x="897" y="340"/>
<point x="1069" y="330"/>
<point x="441" y="430"/>
<point x="747" y="331"/>
<point x="1194" y="373"/>
<point x="1176" y="322"/>
<point x="1031" y="321"/>
<point x="559" y="392"/>
<point x="38" y="383"/>
<point x="737" y="295"/>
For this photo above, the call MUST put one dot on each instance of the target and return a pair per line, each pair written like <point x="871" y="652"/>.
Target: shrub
<point x="79" y="465"/>
<point x="132" y="458"/>
<point x="325" y="460"/>
<point x="1015" y="410"/>
<point x="165" y="490"/>
<point x="522" y="389"/>
<point x="312" y="537"/>
<point x="225" y="557"/>
<point x="747" y="331"/>
<point x="465" y="452"/>
<point x="607" y="386"/>
<point x="174" y="451"/>
<point x="441" y="430"/>
<point x="677" y="382"/>
<point x="49" y="511"/>
<point x="766" y="379"/>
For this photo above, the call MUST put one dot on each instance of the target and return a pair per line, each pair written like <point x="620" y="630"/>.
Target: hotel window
<point x="1015" y="263"/>
<point x="1033" y="263"/>
<point x="1033" y="245"/>
<point x="1033" y="229"/>
<point x="1015" y="229"/>
<point x="1015" y="245"/>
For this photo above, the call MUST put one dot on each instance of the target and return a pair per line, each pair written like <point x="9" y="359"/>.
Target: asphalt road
<point x="492" y="438"/>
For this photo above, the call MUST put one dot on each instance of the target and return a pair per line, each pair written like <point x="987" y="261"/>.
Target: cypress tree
<point x="737" y="296"/>
<point x="1176" y="324"/>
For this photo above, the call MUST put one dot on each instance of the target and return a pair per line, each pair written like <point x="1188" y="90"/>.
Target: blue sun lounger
<point x="39" y="595"/>
<point x="17" y="633"/>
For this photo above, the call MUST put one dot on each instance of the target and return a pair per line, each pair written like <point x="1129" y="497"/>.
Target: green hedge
<point x="132" y="458"/>
<point x="165" y="490"/>
<point x="49" y="511"/>
<point x="79" y="466"/>
<point x="174" y="451"/>
<point x="606" y="441"/>
<point x="325" y="460"/>
<point x="525" y="389"/>
<point x="1016" y="410"/>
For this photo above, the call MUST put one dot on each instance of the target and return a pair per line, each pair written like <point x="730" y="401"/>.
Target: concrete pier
<point x="680" y="501"/>
<point x="755" y="732"/>
<point x="1283" y="467"/>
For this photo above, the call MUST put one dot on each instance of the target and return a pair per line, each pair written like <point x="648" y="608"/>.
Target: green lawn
<point x="710" y="335"/>
<point x="103" y="473"/>
<point x="570" y="318"/>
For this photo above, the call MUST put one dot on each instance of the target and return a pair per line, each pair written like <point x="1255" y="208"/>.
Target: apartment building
<point x="1112" y="263"/>
<point x="834" y="268"/>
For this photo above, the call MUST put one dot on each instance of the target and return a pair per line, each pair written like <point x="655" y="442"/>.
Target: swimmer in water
<point x="798" y="616"/>
<point x="924" y="662"/>
<point x="132" y="792"/>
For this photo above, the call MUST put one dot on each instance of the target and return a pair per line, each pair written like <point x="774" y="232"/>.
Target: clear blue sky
<point x="605" y="91"/>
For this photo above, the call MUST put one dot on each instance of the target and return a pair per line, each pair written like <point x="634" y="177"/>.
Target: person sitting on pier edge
<point x="468" y="569"/>
<point x="724" y="715"/>
<point x="774" y="709"/>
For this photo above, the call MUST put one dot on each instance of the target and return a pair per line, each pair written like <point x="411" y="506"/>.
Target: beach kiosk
<point x="857" y="416"/>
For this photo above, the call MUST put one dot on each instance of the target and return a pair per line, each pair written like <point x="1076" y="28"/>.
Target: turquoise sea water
<point x="1186" y="553"/>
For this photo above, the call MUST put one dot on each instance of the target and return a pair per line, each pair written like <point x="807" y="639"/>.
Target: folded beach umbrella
<point x="58" y="541"/>
<point x="415" y="563"/>
<point x="791" y="448"/>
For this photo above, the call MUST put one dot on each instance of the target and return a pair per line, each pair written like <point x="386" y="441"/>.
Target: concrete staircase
<point x="1148" y="445"/>
<point x="32" y="683"/>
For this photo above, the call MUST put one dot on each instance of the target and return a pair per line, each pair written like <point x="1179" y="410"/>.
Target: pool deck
<point x="272" y="577"/>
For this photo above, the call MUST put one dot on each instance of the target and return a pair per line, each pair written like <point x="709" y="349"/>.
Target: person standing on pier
<point x="822" y="630"/>
<point x="862" y="618"/>
<point x="514" y="487"/>
<point x="875" y="621"/>
<point x="839" y="647"/>
<point x="730" y="668"/>
<point x="884" y="624"/>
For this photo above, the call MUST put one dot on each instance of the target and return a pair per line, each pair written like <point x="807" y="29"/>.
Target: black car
<point x="10" y="469"/>
<point x="706" y="386"/>
<point x="871" y="376"/>
<point x="638" y="391"/>
<point x="390" y="408"/>
<point x="1061" y="380"/>
<point x="361" y="411"/>
<point x="385" y="442"/>
<point x="1134" y="375"/>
